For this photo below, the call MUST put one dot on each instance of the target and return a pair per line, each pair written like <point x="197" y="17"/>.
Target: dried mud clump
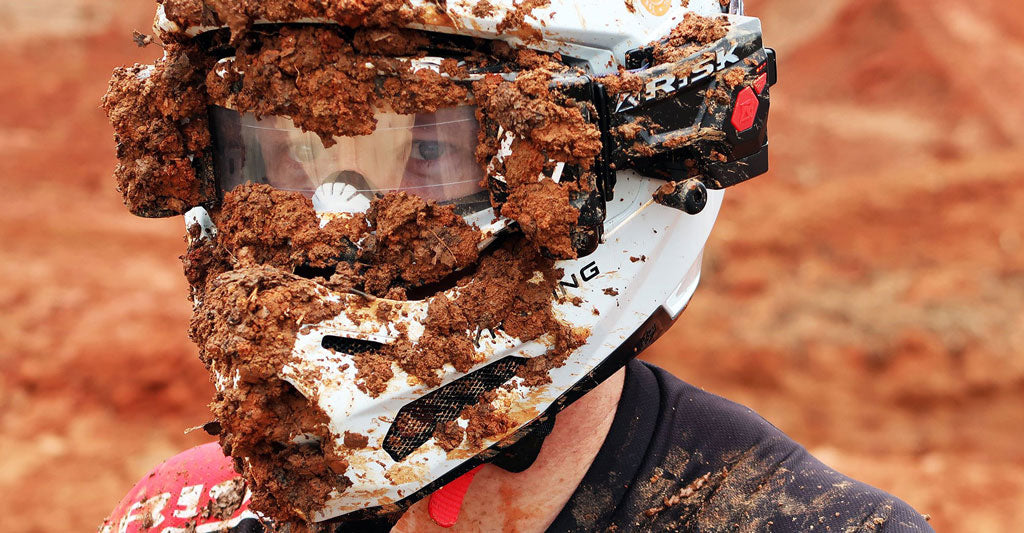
<point x="689" y="36"/>
<point x="316" y="76"/>
<point x="516" y="18"/>
<point x="734" y="77"/>
<point x="245" y="330"/>
<point x="485" y="421"/>
<point x="159" y="118"/>
<point x="261" y="225"/>
<point x="239" y="15"/>
<point x="546" y="129"/>
<point x="528" y="108"/>
<point x="419" y="242"/>
<point x="449" y="435"/>
<point x="483" y="8"/>
<point x="402" y="242"/>
<point x="544" y="214"/>
<point x="623" y="81"/>
<point x="510" y="291"/>
<point x="355" y="440"/>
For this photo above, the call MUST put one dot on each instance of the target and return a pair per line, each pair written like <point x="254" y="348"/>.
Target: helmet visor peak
<point x="430" y="155"/>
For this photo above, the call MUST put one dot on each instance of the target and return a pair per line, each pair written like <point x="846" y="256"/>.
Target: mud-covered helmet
<point x="418" y="230"/>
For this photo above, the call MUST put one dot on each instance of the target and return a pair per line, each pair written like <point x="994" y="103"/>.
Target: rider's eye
<point x="428" y="150"/>
<point x="303" y="153"/>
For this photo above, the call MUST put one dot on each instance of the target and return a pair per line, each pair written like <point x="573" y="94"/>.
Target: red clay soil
<point x="864" y="296"/>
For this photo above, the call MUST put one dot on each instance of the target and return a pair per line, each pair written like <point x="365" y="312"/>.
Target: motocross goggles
<point x="696" y="117"/>
<point x="430" y="155"/>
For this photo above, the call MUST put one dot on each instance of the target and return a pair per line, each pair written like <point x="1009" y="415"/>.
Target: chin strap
<point x="446" y="502"/>
<point x="521" y="455"/>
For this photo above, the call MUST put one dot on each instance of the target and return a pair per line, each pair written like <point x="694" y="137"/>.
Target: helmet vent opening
<point x="312" y="272"/>
<point x="350" y="346"/>
<point x="416" y="422"/>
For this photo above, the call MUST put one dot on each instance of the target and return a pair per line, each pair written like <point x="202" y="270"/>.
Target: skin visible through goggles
<point x="430" y="155"/>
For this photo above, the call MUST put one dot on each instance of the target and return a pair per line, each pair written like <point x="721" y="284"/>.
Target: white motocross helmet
<point x="686" y="129"/>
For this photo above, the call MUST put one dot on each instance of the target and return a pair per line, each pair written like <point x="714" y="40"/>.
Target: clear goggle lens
<point x="430" y="155"/>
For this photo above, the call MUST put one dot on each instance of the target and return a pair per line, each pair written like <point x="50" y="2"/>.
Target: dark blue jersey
<point x="681" y="459"/>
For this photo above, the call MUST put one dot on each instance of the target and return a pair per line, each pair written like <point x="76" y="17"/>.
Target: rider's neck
<point x="529" y="501"/>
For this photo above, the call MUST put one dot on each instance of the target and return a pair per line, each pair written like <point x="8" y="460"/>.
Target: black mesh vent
<point x="349" y="346"/>
<point x="415" y="423"/>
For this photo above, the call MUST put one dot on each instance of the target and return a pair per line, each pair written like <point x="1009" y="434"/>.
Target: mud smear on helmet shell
<point x="515" y="18"/>
<point x="245" y="330"/>
<point x="544" y="130"/>
<point x="689" y="37"/>
<point x="274" y="266"/>
<point x="239" y="15"/>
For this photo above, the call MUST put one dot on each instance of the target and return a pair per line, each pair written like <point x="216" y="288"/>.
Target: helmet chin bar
<point x="527" y="440"/>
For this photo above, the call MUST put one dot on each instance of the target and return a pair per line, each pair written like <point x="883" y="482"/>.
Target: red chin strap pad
<point x="444" y="505"/>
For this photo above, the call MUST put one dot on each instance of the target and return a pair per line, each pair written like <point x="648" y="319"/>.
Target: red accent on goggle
<point x="761" y="82"/>
<point x="745" y="110"/>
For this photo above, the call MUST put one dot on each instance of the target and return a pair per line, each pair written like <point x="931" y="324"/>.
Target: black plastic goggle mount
<point x="687" y="124"/>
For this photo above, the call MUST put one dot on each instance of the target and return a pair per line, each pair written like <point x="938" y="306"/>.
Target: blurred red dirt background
<point x="865" y="296"/>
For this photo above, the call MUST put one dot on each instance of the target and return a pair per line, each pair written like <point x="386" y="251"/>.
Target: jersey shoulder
<point x="196" y="490"/>
<point x="715" y="463"/>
